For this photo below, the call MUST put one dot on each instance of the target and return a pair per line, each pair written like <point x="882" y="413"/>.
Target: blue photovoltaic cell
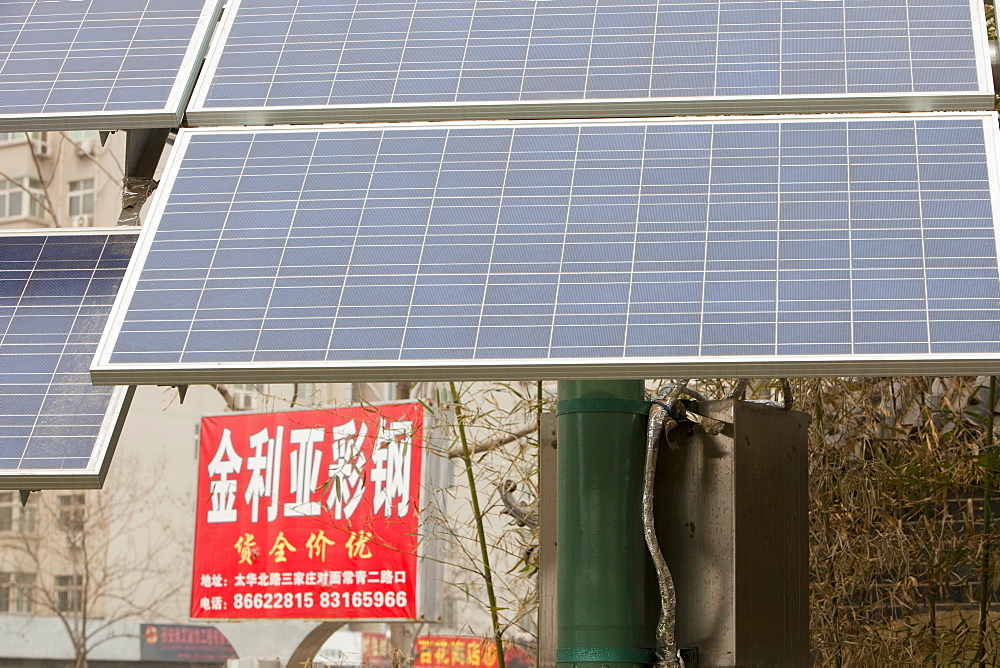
<point x="290" y="53"/>
<point x="596" y="242"/>
<point x="85" y="58"/>
<point x="56" y="291"/>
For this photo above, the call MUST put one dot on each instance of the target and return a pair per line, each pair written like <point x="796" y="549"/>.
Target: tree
<point x="99" y="559"/>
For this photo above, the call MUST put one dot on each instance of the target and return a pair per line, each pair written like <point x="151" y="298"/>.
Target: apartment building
<point x="60" y="179"/>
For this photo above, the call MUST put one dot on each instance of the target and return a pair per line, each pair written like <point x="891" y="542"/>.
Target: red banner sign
<point x="309" y="514"/>
<point x="375" y="650"/>
<point x="463" y="652"/>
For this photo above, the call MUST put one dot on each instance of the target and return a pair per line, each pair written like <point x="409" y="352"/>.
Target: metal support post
<point x="143" y="149"/>
<point x="605" y="611"/>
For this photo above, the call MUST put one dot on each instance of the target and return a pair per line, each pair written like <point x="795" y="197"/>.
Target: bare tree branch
<point x="522" y="514"/>
<point x="97" y="163"/>
<point x="226" y="395"/>
<point x="497" y="441"/>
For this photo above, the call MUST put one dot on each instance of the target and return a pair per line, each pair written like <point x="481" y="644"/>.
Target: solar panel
<point x="57" y="431"/>
<point x="286" y="61"/>
<point x="100" y="64"/>
<point x="795" y="245"/>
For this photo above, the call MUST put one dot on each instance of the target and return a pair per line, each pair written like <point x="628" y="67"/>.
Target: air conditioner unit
<point x="243" y="401"/>
<point x="84" y="147"/>
<point x="83" y="220"/>
<point x="41" y="149"/>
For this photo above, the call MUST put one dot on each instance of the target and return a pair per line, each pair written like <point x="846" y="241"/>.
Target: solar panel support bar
<point x="584" y="109"/>
<point x="143" y="149"/>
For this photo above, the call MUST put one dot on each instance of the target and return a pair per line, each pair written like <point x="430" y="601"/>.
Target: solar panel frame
<point x="104" y="371"/>
<point x="167" y="116"/>
<point x="200" y="113"/>
<point x="92" y="474"/>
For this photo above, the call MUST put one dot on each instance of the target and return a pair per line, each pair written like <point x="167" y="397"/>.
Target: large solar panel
<point x="288" y="61"/>
<point x="795" y="245"/>
<point x="100" y="64"/>
<point x="56" y="289"/>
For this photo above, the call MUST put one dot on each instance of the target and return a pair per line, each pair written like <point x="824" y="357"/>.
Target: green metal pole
<point x="605" y="613"/>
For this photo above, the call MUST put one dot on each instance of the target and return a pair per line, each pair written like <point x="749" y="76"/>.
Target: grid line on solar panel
<point x="286" y="61"/>
<point x="56" y="290"/>
<point x="600" y="242"/>
<point x="100" y="64"/>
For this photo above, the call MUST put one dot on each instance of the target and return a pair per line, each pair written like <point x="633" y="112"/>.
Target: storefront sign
<point x="309" y="514"/>
<point x="184" y="644"/>
<point x="463" y="652"/>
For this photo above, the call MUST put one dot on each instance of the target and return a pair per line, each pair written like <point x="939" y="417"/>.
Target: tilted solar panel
<point x="57" y="431"/>
<point x="798" y="246"/>
<point x="100" y="64"/>
<point x="286" y="61"/>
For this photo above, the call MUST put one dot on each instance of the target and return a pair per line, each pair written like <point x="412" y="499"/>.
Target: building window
<point x="27" y="518"/>
<point x="16" y="592"/>
<point x="21" y="198"/>
<point x="81" y="198"/>
<point x="14" y="517"/>
<point x="6" y="511"/>
<point x="69" y="593"/>
<point x="13" y="137"/>
<point x="85" y="142"/>
<point x="83" y="135"/>
<point x="71" y="512"/>
<point x="244" y="397"/>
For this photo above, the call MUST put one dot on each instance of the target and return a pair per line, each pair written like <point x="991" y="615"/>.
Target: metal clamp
<point x="603" y="405"/>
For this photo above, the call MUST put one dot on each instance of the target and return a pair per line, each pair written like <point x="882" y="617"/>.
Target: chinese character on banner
<point x="424" y="647"/>
<point x="347" y="485"/>
<point x="304" y="463"/>
<point x="442" y="652"/>
<point x="489" y="654"/>
<point x="316" y="545"/>
<point x="224" y="464"/>
<point x="357" y="545"/>
<point x="280" y="547"/>
<point x="475" y="652"/>
<point x="246" y="548"/>
<point x="309" y="514"/>
<point x="458" y="646"/>
<point x="265" y="472"/>
<point x="391" y="471"/>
